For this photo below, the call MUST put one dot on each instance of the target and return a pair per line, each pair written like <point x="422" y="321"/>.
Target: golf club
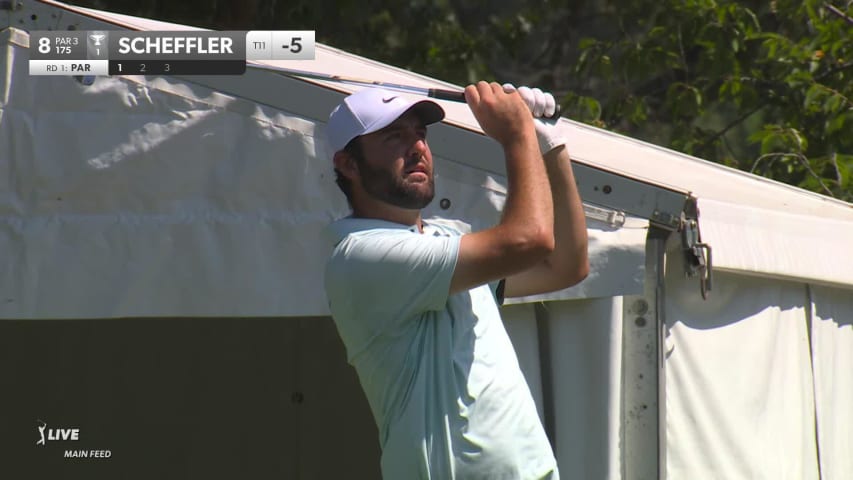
<point x="438" y="93"/>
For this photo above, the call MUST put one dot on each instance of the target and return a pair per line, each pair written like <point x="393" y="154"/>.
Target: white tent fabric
<point x="585" y="350"/>
<point x="832" y="359"/>
<point x="125" y="190"/>
<point x="618" y="255"/>
<point x="747" y="238"/>
<point x="758" y="379"/>
<point x="583" y="343"/>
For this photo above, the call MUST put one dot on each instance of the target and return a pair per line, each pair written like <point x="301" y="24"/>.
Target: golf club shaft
<point x="441" y="94"/>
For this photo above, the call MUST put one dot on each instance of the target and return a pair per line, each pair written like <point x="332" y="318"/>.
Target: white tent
<point x="189" y="210"/>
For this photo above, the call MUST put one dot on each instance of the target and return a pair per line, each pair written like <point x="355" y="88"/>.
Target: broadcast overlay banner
<point x="109" y="52"/>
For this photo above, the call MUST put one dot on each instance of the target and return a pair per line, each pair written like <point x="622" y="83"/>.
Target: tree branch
<point x="834" y="70"/>
<point x="734" y="123"/>
<point x="799" y="156"/>
<point x="838" y="12"/>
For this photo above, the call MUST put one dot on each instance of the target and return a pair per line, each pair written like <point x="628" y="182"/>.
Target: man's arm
<point x="568" y="264"/>
<point x="525" y="234"/>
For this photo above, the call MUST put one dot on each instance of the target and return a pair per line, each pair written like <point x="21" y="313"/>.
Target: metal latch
<point x="697" y="256"/>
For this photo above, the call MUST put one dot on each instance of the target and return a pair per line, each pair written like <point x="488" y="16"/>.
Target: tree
<point x="761" y="86"/>
<point x="765" y="89"/>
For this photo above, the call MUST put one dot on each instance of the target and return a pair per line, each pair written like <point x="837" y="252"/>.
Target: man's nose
<point x="419" y="146"/>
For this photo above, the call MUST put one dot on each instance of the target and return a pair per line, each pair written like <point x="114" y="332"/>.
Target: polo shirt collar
<point x="339" y="229"/>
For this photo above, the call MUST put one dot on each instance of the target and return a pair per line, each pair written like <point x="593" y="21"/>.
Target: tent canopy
<point x="235" y="168"/>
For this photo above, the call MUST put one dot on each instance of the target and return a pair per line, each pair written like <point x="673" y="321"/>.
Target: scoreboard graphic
<point x="108" y="52"/>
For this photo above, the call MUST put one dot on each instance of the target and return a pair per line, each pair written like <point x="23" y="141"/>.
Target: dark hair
<point x="353" y="148"/>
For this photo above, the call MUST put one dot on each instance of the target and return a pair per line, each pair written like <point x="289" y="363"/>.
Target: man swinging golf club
<point x="415" y="301"/>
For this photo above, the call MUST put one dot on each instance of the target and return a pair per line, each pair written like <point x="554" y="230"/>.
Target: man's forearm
<point x="529" y="206"/>
<point x="570" y="255"/>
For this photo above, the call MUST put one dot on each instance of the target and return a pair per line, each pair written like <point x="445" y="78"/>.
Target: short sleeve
<point x="390" y="275"/>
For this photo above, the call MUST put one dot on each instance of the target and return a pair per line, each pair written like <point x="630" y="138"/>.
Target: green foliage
<point x="761" y="86"/>
<point x="764" y="88"/>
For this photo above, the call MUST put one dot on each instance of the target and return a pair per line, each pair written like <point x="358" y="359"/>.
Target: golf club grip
<point x="447" y="95"/>
<point x="460" y="97"/>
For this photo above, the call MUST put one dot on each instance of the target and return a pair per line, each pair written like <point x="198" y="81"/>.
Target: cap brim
<point x="428" y="111"/>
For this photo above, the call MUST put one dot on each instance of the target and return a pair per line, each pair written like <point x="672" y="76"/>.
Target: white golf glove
<point x="542" y="105"/>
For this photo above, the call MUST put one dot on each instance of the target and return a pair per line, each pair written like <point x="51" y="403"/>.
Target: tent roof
<point x="623" y="155"/>
<point x="770" y="207"/>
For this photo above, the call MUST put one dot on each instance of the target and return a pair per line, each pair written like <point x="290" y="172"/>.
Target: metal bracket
<point x="697" y="255"/>
<point x="613" y="218"/>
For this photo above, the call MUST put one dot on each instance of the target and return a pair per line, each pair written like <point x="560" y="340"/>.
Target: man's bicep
<point x="484" y="258"/>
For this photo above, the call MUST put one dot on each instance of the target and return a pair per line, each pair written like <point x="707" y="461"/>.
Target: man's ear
<point x="346" y="164"/>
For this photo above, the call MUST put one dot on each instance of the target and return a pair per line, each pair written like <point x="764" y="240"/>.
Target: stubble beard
<point x="383" y="185"/>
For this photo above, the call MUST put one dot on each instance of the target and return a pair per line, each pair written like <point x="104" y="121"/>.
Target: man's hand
<point x="525" y="234"/>
<point x="542" y="105"/>
<point x="502" y="115"/>
<point x="568" y="263"/>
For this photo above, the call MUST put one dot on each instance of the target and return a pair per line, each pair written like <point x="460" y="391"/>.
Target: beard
<point x="383" y="185"/>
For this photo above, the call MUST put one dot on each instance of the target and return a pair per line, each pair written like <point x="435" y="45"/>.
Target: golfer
<point x="415" y="300"/>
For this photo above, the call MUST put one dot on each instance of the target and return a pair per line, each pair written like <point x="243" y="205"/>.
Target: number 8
<point x="44" y="45"/>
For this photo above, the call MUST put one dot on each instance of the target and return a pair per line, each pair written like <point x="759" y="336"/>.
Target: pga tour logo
<point x="67" y="434"/>
<point x="51" y="434"/>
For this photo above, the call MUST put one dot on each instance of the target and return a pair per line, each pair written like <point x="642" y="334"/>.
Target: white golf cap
<point x="372" y="109"/>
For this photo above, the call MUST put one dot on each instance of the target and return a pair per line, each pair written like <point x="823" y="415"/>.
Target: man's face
<point x="397" y="164"/>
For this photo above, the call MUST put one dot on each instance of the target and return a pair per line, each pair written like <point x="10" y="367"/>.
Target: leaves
<point x="752" y="87"/>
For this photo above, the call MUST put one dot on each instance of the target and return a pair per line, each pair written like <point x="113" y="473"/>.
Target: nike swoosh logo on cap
<point x="386" y="100"/>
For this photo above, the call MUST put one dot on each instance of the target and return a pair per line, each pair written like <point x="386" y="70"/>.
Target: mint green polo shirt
<point x="439" y="371"/>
